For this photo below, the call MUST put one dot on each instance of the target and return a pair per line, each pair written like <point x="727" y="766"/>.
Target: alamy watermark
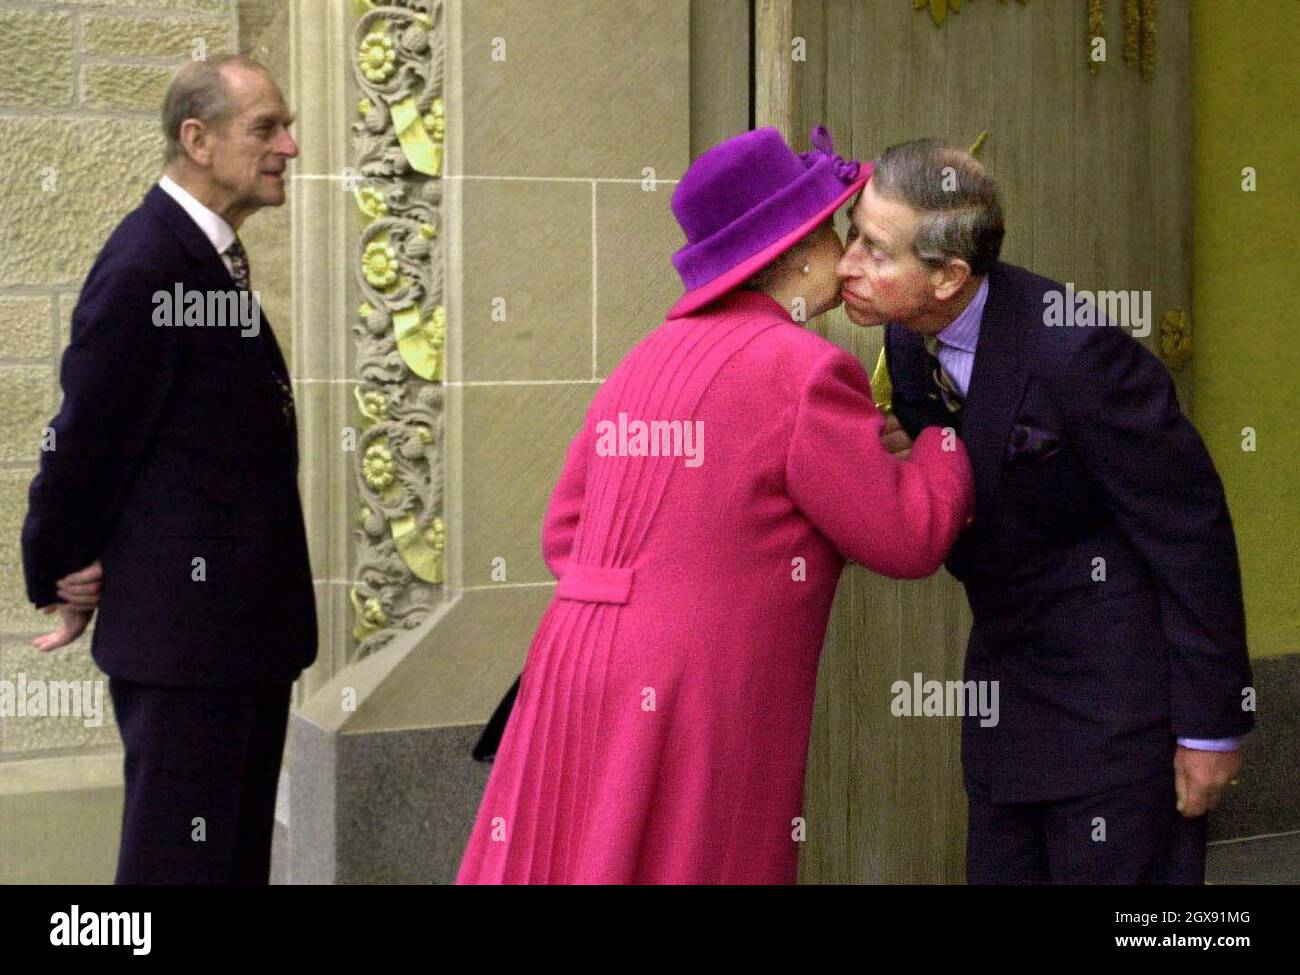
<point x="185" y="307"/>
<point x="653" y="438"/>
<point x="1084" y="309"/>
<point x="945" y="699"/>
<point x="53" y="699"/>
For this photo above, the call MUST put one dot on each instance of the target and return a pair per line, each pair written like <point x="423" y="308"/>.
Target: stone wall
<point x="81" y="83"/>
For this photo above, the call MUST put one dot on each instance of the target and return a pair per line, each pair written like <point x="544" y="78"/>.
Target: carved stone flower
<point x="436" y="327"/>
<point x="380" y="265"/>
<point x="436" y="534"/>
<point x="378" y="468"/>
<point x="435" y="120"/>
<point x="374" y="613"/>
<point x="377" y="57"/>
<point x="372" y="202"/>
<point x="374" y="406"/>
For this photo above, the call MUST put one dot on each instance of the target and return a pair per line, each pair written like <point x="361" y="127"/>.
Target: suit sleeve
<point x="560" y="524"/>
<point x="1122" y="412"/>
<point x="896" y="517"/>
<point x="114" y="373"/>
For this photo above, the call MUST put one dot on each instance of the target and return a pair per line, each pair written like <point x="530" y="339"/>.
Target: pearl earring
<point x="807" y="269"/>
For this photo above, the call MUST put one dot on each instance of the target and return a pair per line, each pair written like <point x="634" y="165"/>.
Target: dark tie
<point x="239" y="270"/>
<point x="239" y="264"/>
<point x="944" y="383"/>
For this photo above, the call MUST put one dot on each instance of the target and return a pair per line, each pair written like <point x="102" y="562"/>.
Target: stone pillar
<point x="561" y="130"/>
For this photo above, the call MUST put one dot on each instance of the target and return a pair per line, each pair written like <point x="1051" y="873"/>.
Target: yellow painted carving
<point x="421" y="342"/>
<point x="380" y="472"/>
<point x="373" y="406"/>
<point x="882" y="390"/>
<point x="365" y="6"/>
<point x="379" y="262"/>
<point x="370" y="615"/>
<point x="1176" y="339"/>
<point x="376" y="56"/>
<point x="371" y="202"/>
<point x="419" y="147"/>
<point x="422" y="551"/>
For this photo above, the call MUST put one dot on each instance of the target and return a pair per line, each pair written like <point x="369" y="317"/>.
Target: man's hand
<point x="81" y="589"/>
<point x="80" y="594"/>
<point x="73" y="624"/>
<point x="895" y="438"/>
<point x="1200" y="777"/>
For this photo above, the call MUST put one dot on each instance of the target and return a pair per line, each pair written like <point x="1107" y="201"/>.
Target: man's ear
<point x="946" y="281"/>
<point x="196" y="138"/>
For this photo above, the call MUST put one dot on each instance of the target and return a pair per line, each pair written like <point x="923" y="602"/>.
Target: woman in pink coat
<point x="726" y="469"/>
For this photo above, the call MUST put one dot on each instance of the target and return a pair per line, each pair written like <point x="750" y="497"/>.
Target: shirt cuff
<point x="1211" y="744"/>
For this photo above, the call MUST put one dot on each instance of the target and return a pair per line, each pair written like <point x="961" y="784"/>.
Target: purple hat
<point x="750" y="199"/>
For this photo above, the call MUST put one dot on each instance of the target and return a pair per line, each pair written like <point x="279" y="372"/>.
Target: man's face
<point x="881" y="278"/>
<point x="250" y="150"/>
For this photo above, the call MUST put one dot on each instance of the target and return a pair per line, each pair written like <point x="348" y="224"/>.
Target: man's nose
<point x="286" y="146"/>
<point x="845" y="267"/>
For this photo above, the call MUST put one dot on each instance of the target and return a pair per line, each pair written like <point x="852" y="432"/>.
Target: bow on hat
<point x="845" y="169"/>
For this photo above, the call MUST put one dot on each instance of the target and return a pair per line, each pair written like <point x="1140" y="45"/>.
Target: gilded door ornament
<point x="1176" y="339"/>
<point x="939" y="9"/>
<point x="1139" y="33"/>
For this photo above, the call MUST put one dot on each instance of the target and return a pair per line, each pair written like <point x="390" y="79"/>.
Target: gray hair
<point x="199" y="90"/>
<point x="961" y="215"/>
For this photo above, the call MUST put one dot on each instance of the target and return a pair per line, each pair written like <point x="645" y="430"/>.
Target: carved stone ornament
<point x="401" y="322"/>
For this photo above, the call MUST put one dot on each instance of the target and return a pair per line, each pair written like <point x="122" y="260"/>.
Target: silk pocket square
<point x="1028" y="443"/>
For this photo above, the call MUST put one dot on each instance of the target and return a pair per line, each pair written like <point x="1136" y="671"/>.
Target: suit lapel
<point x="187" y="233"/>
<point x="996" y="388"/>
<point x="195" y="243"/>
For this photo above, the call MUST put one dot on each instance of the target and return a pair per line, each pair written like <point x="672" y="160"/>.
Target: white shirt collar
<point x="213" y="227"/>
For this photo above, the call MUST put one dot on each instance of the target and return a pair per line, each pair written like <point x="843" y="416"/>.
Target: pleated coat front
<point x="660" y="732"/>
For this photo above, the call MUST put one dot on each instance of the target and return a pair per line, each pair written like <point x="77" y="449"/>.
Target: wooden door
<point x="1095" y="174"/>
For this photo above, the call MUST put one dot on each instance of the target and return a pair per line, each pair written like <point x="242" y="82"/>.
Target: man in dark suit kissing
<point x="169" y="501"/>
<point x="1101" y="566"/>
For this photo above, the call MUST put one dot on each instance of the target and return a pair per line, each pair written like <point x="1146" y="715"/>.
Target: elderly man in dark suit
<point x="1101" y="566"/>
<point x="169" y="500"/>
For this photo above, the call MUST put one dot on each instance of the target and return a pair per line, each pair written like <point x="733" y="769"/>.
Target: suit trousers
<point x="202" y="766"/>
<point x="1131" y="834"/>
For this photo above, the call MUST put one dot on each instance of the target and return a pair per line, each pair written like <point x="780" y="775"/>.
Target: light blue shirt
<point x="957" y="343"/>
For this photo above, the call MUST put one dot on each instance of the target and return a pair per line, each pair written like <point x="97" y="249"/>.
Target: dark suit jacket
<point x="170" y="446"/>
<point x="1080" y="453"/>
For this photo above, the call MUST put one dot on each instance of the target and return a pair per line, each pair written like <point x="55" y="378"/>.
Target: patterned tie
<point x="240" y="271"/>
<point x="239" y="264"/>
<point x="952" y="397"/>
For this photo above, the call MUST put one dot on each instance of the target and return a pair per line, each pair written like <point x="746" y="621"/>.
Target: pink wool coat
<point x="660" y="732"/>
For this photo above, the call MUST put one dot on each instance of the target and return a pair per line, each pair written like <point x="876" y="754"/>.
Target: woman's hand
<point x="895" y="438"/>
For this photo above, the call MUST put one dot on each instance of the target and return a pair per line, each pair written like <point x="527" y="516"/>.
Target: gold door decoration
<point x="1139" y="33"/>
<point x="939" y="9"/>
<point x="1176" y="339"/>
